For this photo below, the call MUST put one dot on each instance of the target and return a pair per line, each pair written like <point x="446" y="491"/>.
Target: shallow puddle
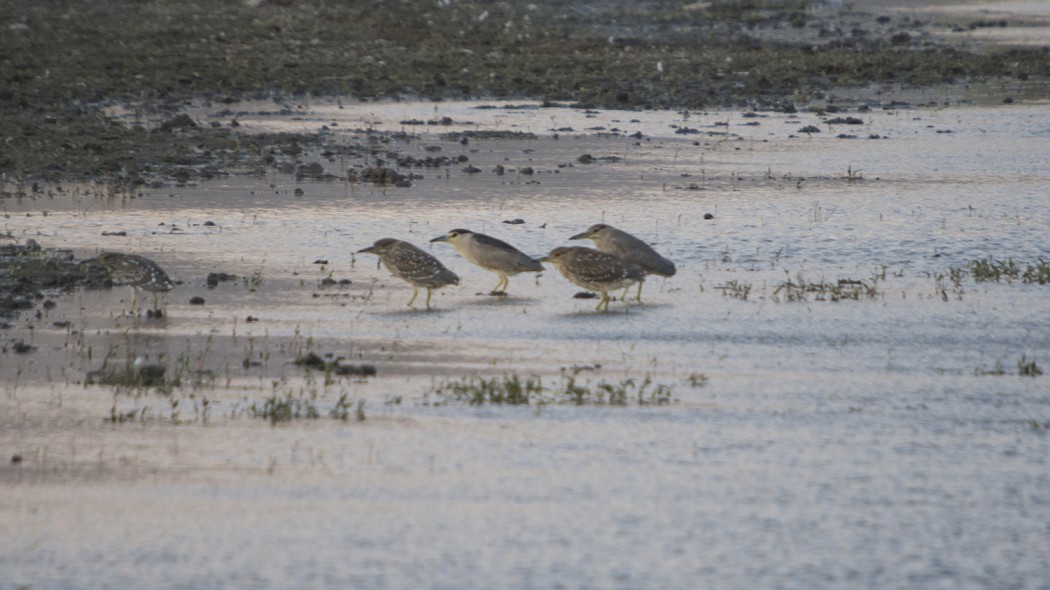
<point x="845" y="411"/>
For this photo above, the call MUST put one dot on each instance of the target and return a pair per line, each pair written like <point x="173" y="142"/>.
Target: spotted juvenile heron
<point x="628" y="248"/>
<point x="491" y="254"/>
<point x="594" y="270"/>
<point x="139" y="272"/>
<point x="413" y="266"/>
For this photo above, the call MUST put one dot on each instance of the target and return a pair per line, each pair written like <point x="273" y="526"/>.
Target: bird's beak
<point x="544" y="259"/>
<point x="368" y="249"/>
<point x="581" y="236"/>
<point x="443" y="238"/>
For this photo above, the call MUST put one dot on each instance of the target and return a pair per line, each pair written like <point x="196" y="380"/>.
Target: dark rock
<point x="214" y="278"/>
<point x="182" y="121"/>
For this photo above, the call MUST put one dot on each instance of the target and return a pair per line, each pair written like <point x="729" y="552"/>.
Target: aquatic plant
<point x="698" y="379"/>
<point x="342" y="408"/>
<point x="515" y="390"/>
<point x="120" y="417"/>
<point x="735" y="289"/>
<point x="1038" y="273"/>
<point x="988" y="269"/>
<point x="477" y="391"/>
<point x="985" y="270"/>
<point x="278" y="408"/>
<point x="997" y="369"/>
<point x="133" y="376"/>
<point x="1028" y="367"/>
<point x="800" y="289"/>
<point x="1025" y="367"/>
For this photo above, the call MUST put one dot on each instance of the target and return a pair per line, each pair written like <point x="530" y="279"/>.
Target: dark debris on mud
<point x="63" y="61"/>
<point x="30" y="273"/>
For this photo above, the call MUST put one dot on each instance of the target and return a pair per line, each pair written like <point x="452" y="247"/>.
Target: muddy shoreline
<point x="64" y="62"/>
<point x="843" y="385"/>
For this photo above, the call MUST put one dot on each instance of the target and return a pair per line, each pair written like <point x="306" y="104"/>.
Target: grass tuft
<point x="800" y="290"/>
<point x="285" y="408"/>
<point x="991" y="270"/>
<point x="1028" y="368"/>
<point x="515" y="390"/>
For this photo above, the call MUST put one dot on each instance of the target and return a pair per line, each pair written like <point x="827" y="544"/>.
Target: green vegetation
<point x="513" y="390"/>
<point x="477" y="391"/>
<point x="1028" y="367"/>
<point x="284" y="408"/>
<point x="1025" y="368"/>
<point x="131" y="376"/>
<point x="698" y="380"/>
<point x="991" y="270"/>
<point x="735" y="289"/>
<point x="800" y="289"/>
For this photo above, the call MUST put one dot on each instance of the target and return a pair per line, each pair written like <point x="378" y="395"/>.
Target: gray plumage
<point x="594" y="270"/>
<point x="413" y="266"/>
<point x="628" y="248"/>
<point x="491" y="254"/>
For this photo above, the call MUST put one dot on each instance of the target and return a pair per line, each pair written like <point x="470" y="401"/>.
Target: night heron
<point x="413" y="266"/>
<point x="594" y="270"/>
<point x="628" y="248"/>
<point x="491" y="254"/>
<point x="139" y="272"/>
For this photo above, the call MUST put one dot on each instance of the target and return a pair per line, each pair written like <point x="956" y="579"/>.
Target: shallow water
<point x="834" y="443"/>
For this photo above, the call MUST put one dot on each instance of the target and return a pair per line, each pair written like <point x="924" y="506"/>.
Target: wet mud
<point x="842" y="385"/>
<point x="65" y="62"/>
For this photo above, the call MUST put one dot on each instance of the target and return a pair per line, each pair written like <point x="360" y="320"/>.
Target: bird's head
<point x="592" y="232"/>
<point x="453" y="236"/>
<point x="379" y="247"/>
<point x="108" y="259"/>
<point x="556" y="256"/>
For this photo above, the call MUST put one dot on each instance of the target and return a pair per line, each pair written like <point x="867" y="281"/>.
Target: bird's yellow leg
<point x="429" y="292"/>
<point x="415" y="291"/>
<point x="604" y="301"/>
<point x="501" y="286"/>
<point x="639" y="297"/>
<point x="134" y="299"/>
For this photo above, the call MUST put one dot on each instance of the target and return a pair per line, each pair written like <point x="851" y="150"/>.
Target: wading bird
<point x="413" y="266"/>
<point x="594" y="270"/>
<point x="628" y="248"/>
<point x="491" y="254"/>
